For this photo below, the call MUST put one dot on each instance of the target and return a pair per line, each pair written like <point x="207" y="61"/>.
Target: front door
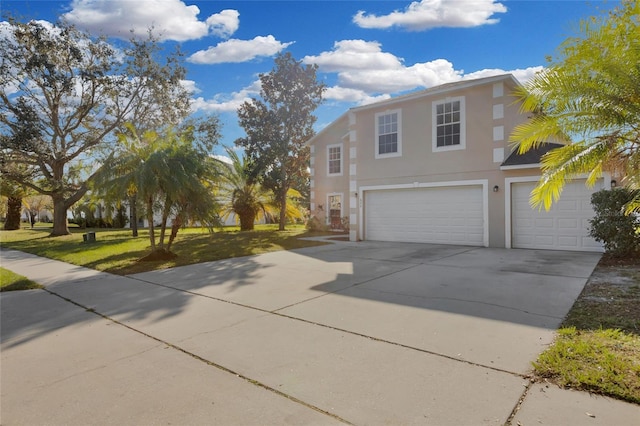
<point x="335" y="211"/>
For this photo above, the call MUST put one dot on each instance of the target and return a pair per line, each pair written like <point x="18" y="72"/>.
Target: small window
<point x="448" y="124"/>
<point x="388" y="134"/>
<point x="334" y="160"/>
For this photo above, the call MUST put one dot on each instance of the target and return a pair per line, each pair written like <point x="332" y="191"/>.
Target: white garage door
<point x="564" y="227"/>
<point x="449" y="215"/>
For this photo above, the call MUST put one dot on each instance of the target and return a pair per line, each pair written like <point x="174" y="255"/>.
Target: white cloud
<point x="522" y="75"/>
<point x="360" y="97"/>
<point x="367" y="74"/>
<point x="190" y="86"/>
<point x="425" y="74"/>
<point x="364" y="66"/>
<point x="239" y="50"/>
<point x="173" y="19"/>
<point x="427" y="14"/>
<point x="227" y="102"/>
<point x="354" y="55"/>
<point x="225" y="23"/>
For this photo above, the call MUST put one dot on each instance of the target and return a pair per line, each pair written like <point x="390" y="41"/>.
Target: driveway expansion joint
<point x="275" y="312"/>
<point x="206" y="361"/>
<point x="519" y="403"/>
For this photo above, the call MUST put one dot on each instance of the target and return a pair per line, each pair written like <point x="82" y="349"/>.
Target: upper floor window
<point x="388" y="134"/>
<point x="448" y="124"/>
<point x="334" y="160"/>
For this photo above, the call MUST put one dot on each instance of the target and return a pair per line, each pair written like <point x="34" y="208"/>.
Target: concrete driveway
<point x="362" y="333"/>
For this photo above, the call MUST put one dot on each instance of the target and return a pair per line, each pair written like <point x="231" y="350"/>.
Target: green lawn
<point x="605" y="361"/>
<point x="598" y="346"/>
<point x="116" y="251"/>
<point x="10" y="281"/>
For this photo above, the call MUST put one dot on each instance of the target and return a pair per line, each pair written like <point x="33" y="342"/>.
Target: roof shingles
<point x="533" y="156"/>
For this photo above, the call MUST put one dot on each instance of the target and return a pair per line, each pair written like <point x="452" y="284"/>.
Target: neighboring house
<point x="231" y="220"/>
<point x="436" y="166"/>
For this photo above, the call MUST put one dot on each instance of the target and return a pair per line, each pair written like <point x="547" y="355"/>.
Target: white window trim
<point x="339" y="145"/>
<point x="328" y="210"/>
<point x="390" y="154"/>
<point x="463" y="125"/>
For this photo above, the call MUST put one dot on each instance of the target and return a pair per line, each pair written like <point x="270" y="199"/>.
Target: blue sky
<point x="366" y="50"/>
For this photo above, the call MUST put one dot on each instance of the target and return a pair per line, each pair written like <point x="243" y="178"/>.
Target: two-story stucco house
<point x="436" y="166"/>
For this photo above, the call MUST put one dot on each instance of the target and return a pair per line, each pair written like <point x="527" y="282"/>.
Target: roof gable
<point x="441" y="89"/>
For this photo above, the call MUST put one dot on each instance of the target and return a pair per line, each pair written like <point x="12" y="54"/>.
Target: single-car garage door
<point x="447" y="215"/>
<point x="564" y="227"/>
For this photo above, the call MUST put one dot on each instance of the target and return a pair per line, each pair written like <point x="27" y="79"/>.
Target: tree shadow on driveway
<point x="29" y="314"/>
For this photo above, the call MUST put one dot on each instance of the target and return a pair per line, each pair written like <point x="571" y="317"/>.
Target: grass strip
<point x="598" y="347"/>
<point x="116" y="251"/>
<point x="602" y="361"/>
<point x="10" y="281"/>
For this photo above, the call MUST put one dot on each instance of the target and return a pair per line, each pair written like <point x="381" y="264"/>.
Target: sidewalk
<point x="95" y="348"/>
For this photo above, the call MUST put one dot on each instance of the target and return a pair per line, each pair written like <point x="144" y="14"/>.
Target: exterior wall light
<point x="496" y="188"/>
<point x="614" y="183"/>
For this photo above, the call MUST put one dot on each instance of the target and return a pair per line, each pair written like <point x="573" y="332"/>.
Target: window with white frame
<point x="448" y="124"/>
<point x="334" y="160"/>
<point x="388" y="134"/>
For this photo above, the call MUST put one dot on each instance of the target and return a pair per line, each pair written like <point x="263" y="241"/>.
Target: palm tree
<point x="169" y="175"/>
<point x="14" y="194"/>
<point x="591" y="95"/>
<point x="240" y="193"/>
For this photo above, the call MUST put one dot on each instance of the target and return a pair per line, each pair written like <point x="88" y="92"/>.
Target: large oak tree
<point x="279" y="124"/>
<point x="63" y="97"/>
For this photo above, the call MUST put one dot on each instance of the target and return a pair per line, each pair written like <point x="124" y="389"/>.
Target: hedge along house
<point x="436" y="166"/>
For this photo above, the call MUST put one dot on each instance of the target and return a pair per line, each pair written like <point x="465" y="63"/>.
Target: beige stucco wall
<point x="322" y="184"/>
<point x="418" y="162"/>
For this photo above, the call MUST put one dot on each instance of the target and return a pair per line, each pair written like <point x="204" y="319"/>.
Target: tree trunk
<point x="175" y="226"/>
<point x="163" y="225"/>
<point x="284" y="187"/>
<point x="60" y="224"/>
<point x="283" y="208"/>
<point x="14" y="207"/>
<point x="247" y="219"/>
<point x="133" y="217"/>
<point x="152" y="233"/>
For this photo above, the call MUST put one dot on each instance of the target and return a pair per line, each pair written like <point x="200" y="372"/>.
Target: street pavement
<point x="360" y="333"/>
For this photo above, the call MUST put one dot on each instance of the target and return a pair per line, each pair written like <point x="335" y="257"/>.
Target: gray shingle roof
<point x="532" y="156"/>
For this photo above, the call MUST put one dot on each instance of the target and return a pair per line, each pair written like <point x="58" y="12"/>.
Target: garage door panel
<point x="571" y="223"/>
<point x="566" y="241"/>
<point x="544" y="223"/>
<point x="564" y="227"/>
<point x="568" y="206"/>
<point x="452" y="215"/>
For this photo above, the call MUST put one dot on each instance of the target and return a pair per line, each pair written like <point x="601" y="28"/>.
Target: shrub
<point x="344" y="224"/>
<point x="619" y="233"/>
<point x="315" y="224"/>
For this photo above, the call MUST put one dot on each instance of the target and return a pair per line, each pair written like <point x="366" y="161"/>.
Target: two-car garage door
<point x="446" y="215"/>
<point x="564" y="227"/>
<point x="458" y="215"/>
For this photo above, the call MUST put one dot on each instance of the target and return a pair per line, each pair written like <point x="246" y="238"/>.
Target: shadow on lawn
<point x="29" y="315"/>
<point x="131" y="299"/>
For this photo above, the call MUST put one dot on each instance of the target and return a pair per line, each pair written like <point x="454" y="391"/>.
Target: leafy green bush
<point x="315" y="224"/>
<point x="619" y="233"/>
